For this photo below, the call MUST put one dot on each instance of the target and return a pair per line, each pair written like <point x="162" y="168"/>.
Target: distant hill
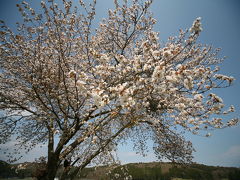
<point x="164" y="171"/>
<point x="138" y="171"/>
<point x="6" y="170"/>
<point x="20" y="170"/>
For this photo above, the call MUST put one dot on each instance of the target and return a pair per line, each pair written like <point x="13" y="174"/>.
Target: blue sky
<point x="220" y="20"/>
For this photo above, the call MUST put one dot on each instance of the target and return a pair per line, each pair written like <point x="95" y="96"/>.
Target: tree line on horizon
<point x="137" y="171"/>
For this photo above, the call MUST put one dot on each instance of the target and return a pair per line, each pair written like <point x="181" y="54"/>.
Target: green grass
<point x="25" y="179"/>
<point x="16" y="179"/>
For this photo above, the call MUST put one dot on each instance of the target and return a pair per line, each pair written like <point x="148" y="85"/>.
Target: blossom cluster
<point x="197" y="26"/>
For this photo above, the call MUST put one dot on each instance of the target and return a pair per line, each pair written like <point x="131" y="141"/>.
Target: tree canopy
<point x="82" y="91"/>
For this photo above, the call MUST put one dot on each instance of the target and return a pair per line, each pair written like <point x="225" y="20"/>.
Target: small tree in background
<point x="83" y="91"/>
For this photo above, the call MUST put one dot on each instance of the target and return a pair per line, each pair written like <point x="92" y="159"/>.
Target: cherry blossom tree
<point x="82" y="91"/>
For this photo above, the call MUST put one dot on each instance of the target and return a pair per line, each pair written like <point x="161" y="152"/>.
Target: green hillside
<point x="168" y="171"/>
<point x="138" y="171"/>
<point x="6" y="170"/>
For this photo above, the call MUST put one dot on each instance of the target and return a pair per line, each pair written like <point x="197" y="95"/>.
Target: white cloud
<point x="131" y="157"/>
<point x="229" y="158"/>
<point x="39" y="150"/>
<point x="233" y="152"/>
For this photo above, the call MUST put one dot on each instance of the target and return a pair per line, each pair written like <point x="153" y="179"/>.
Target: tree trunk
<point x="53" y="158"/>
<point x="65" y="173"/>
<point x="52" y="167"/>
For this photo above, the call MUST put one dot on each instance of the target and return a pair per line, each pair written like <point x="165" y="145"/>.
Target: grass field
<point x="17" y="179"/>
<point x="30" y="179"/>
<point x="87" y="179"/>
<point x="79" y="179"/>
